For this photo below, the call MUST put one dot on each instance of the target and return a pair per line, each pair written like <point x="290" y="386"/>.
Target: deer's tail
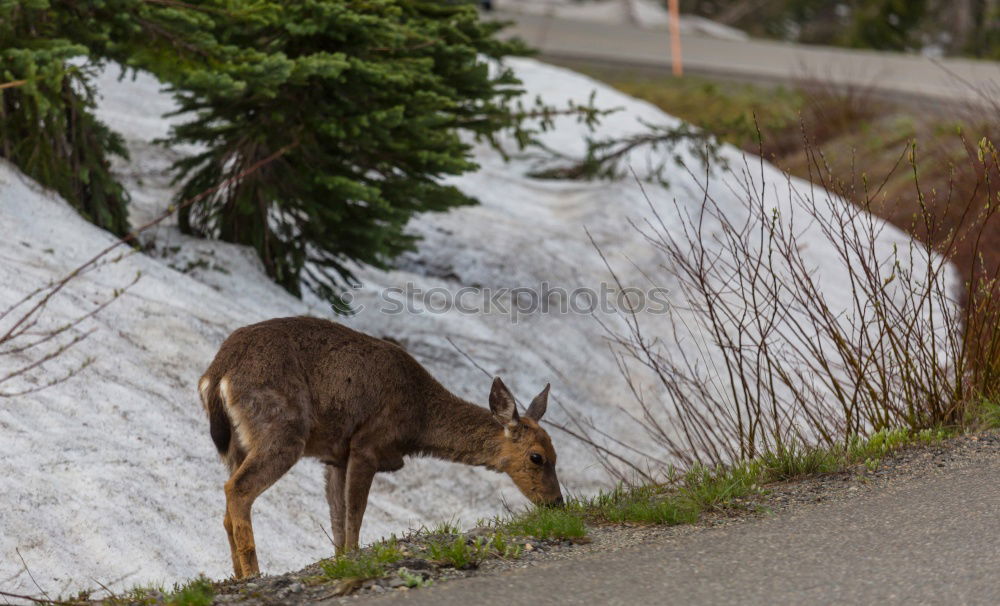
<point x="219" y="424"/>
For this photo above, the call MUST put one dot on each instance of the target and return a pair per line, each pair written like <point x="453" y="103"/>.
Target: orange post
<point x="675" y="37"/>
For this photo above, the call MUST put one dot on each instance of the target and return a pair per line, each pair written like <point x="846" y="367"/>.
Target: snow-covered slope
<point x="112" y="475"/>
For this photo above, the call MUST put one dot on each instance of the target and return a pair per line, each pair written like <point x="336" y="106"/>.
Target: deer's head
<point x="526" y="452"/>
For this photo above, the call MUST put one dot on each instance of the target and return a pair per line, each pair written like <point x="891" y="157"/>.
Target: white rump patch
<point x="203" y="388"/>
<point x="235" y="415"/>
<point x="224" y="390"/>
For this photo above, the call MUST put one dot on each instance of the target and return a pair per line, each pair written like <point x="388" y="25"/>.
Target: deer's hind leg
<point x="336" y="495"/>
<point x="261" y="468"/>
<point x="233" y="459"/>
<point x="273" y="441"/>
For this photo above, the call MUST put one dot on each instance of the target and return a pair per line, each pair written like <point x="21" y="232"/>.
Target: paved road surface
<point x="928" y="541"/>
<point x="755" y="60"/>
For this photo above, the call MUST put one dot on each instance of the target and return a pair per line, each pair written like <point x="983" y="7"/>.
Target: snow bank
<point x="112" y="476"/>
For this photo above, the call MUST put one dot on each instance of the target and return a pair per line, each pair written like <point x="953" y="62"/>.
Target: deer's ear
<point x="502" y="403"/>
<point x="538" y="405"/>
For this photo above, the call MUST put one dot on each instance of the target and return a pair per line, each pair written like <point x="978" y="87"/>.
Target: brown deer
<point x="289" y="388"/>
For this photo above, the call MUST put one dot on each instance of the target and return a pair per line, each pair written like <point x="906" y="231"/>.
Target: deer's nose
<point x="558" y="502"/>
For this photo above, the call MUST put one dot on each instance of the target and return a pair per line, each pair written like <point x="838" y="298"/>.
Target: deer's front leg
<point x="237" y="566"/>
<point x="336" y="497"/>
<point x="361" y="469"/>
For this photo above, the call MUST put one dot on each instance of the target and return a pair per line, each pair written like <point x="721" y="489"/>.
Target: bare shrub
<point x="770" y="358"/>
<point x="30" y="337"/>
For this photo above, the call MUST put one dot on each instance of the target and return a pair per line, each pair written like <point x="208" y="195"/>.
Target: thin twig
<point x="17" y="550"/>
<point x="468" y="357"/>
<point x="46" y="601"/>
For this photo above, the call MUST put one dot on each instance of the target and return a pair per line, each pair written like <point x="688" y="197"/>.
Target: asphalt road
<point x="625" y="46"/>
<point x="928" y="541"/>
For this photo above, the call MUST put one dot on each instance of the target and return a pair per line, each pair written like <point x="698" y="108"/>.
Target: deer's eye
<point x="536" y="458"/>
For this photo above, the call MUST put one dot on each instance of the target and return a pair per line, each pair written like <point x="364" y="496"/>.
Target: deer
<point x="288" y="388"/>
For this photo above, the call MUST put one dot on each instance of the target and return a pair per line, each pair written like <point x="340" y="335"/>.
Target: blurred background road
<point x="899" y="76"/>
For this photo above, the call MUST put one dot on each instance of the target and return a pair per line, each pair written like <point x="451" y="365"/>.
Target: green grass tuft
<point x="367" y="564"/>
<point x="445" y="529"/>
<point x="503" y="547"/>
<point x="667" y="511"/>
<point x="458" y="552"/>
<point x="548" y="523"/>
<point x="199" y="592"/>
<point x="791" y="461"/>
<point x="712" y="488"/>
<point x="878" y="445"/>
<point x="933" y="436"/>
<point x="987" y="413"/>
<point x="645" y="504"/>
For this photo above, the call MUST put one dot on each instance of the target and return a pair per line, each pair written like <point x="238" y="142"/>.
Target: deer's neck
<point x="462" y="432"/>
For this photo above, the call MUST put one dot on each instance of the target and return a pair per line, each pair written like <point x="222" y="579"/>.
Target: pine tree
<point x="47" y="126"/>
<point x="371" y="99"/>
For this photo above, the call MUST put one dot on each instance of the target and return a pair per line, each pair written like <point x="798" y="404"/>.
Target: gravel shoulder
<point x="754" y="542"/>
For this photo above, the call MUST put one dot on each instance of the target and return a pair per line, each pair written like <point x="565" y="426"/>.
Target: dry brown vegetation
<point x="796" y="372"/>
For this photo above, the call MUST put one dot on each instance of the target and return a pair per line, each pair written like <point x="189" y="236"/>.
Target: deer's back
<point x="321" y="380"/>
